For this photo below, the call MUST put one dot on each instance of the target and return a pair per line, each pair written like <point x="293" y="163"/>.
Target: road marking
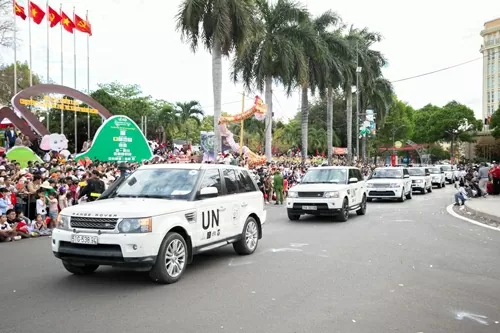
<point x="450" y="211"/>
<point x="298" y="244"/>
<point x="233" y="264"/>
<point x="480" y="319"/>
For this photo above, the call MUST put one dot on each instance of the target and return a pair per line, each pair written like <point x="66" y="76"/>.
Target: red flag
<point x="19" y="10"/>
<point x="82" y="25"/>
<point x="68" y="25"/>
<point x="54" y="17"/>
<point x="36" y="13"/>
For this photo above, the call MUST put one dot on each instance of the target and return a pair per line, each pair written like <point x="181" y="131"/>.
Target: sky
<point x="135" y="42"/>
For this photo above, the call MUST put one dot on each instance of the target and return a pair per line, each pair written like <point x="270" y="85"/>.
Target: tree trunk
<point x="304" y="109"/>
<point x="268" y="95"/>
<point x="348" y="98"/>
<point x="329" y="124"/>
<point x="217" y="91"/>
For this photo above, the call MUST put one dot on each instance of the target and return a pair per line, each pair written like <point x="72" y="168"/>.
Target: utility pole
<point x="358" y="71"/>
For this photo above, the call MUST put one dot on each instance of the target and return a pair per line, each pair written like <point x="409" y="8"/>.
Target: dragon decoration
<point x="259" y="111"/>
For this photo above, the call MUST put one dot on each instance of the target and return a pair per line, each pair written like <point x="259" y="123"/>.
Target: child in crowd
<point x="41" y="205"/>
<point x="7" y="234"/>
<point x="39" y="226"/>
<point x="4" y="205"/>
<point x="461" y="195"/>
<point x="53" y="209"/>
<point x="63" y="198"/>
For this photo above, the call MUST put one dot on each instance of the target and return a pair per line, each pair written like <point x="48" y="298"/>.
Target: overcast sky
<point x="135" y="42"/>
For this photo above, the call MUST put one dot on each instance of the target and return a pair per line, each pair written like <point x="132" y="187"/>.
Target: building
<point x="491" y="67"/>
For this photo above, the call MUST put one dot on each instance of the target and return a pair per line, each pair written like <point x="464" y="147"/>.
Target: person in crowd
<point x="495" y="177"/>
<point x="18" y="225"/>
<point x="94" y="188"/>
<point x="278" y="186"/>
<point x="53" y="208"/>
<point x="41" y="203"/>
<point x="483" y="175"/>
<point x="461" y="195"/>
<point x="10" y="136"/>
<point x="7" y="233"/>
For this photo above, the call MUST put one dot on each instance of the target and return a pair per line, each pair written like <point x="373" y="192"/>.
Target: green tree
<point x="221" y="26"/>
<point x="189" y="113"/>
<point x="398" y="125"/>
<point x="422" y="123"/>
<point x="7" y="26"/>
<point x="7" y="79"/>
<point x="273" y="53"/>
<point x="495" y="124"/>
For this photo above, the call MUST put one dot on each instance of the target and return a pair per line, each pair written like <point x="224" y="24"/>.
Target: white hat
<point x="46" y="185"/>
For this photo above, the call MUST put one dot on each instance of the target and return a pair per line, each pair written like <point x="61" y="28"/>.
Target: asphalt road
<point x="404" y="267"/>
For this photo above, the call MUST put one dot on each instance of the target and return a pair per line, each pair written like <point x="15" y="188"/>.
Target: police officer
<point x="95" y="187"/>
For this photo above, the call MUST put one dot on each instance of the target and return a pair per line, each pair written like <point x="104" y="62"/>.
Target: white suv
<point x="328" y="191"/>
<point x="157" y="218"/>
<point x="448" y="172"/>
<point x="438" y="177"/>
<point x="389" y="183"/>
<point x="420" y="179"/>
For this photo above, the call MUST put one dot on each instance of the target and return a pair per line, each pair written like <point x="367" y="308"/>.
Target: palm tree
<point x="187" y="112"/>
<point x="317" y="55"/>
<point x="221" y="26"/>
<point x="273" y="53"/>
<point x="166" y="118"/>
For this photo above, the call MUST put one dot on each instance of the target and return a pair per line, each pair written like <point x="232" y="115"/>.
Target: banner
<point x="207" y="141"/>
<point x="339" y="151"/>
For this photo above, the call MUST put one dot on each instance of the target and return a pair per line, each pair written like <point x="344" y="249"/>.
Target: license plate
<point x="81" y="239"/>
<point x="309" y="208"/>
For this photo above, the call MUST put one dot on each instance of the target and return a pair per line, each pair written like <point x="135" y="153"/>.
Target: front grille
<point x="381" y="193"/>
<point x="413" y="181"/>
<point x="310" y="194"/>
<point x="381" y="185"/>
<point x="103" y="223"/>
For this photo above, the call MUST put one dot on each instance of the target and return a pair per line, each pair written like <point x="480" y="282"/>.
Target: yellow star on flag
<point x="34" y="13"/>
<point x="66" y="21"/>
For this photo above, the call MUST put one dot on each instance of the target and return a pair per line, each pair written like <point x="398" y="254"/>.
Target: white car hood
<point x="417" y="177"/>
<point x="129" y="207"/>
<point x="318" y="187"/>
<point x="384" y="180"/>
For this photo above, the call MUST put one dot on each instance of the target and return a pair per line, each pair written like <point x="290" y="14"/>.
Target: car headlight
<point x="293" y="194"/>
<point x="369" y="185"/>
<point x="419" y="181"/>
<point x="128" y="226"/>
<point x="63" y="222"/>
<point x="332" y="194"/>
<point x="394" y="185"/>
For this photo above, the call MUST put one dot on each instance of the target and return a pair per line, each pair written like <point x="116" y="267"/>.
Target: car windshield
<point x="416" y="172"/>
<point x="387" y="173"/>
<point x="435" y="170"/>
<point x="446" y="167"/>
<point x="335" y="176"/>
<point x="177" y="184"/>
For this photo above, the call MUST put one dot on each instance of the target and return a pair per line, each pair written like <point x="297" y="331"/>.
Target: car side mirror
<point x="208" y="192"/>
<point x="406" y="176"/>
<point x="353" y="180"/>
<point x="428" y="174"/>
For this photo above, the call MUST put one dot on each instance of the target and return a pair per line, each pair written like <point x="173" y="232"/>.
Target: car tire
<point x="293" y="217"/>
<point x="409" y="196"/>
<point x="344" y="211"/>
<point x="249" y="238"/>
<point x="369" y="199"/>
<point x="429" y="189"/>
<point x="424" y="191"/>
<point x="362" y="208"/>
<point x="403" y="197"/>
<point x="439" y="185"/>
<point x="80" y="269"/>
<point x="172" y="259"/>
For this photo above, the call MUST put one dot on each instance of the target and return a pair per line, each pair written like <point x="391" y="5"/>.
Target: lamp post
<point x="358" y="72"/>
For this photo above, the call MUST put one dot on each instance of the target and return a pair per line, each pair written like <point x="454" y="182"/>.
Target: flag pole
<point x="74" y="78"/>
<point x="62" y="67"/>
<point x="15" y="47"/>
<point x="29" y="40"/>
<point x="48" y="62"/>
<point x="88" y="74"/>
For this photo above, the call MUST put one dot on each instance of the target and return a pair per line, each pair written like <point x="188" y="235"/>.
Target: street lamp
<point x="452" y="132"/>
<point x="358" y="72"/>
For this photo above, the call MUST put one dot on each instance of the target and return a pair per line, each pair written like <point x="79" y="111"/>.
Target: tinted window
<point x="416" y="172"/>
<point x="360" y="176"/>
<point x="231" y="181"/>
<point x="211" y="178"/>
<point x="245" y="183"/>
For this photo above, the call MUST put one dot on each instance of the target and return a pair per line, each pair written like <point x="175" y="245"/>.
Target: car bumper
<point x="384" y="193"/>
<point x="418" y="186"/>
<point x="314" y="206"/>
<point x="135" y="250"/>
<point x="436" y="181"/>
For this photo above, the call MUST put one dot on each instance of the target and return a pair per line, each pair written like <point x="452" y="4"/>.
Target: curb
<point x="450" y="211"/>
<point x="478" y="213"/>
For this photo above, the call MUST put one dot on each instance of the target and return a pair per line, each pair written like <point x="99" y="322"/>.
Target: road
<point x="404" y="267"/>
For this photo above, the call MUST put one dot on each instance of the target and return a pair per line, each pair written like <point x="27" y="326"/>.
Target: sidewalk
<point x="488" y="208"/>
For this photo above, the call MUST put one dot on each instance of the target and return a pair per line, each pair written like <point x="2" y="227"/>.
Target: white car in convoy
<point x="438" y="177"/>
<point x="328" y="191"/>
<point x="420" y="179"/>
<point x="389" y="183"/>
<point x="448" y="172"/>
<point x="159" y="217"/>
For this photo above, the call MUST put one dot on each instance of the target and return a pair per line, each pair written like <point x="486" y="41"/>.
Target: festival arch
<point x="21" y="125"/>
<point x="22" y="100"/>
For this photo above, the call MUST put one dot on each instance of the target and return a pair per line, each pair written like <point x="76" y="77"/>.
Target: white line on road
<point x="450" y="211"/>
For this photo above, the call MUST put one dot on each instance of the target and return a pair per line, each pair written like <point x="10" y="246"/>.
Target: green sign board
<point x="119" y="139"/>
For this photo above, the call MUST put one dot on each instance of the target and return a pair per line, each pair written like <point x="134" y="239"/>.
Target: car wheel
<point x="369" y="199"/>
<point x="171" y="261"/>
<point x="293" y="217"/>
<point x="403" y="198"/>
<point x="409" y="195"/>
<point x="430" y="189"/>
<point x="249" y="239"/>
<point x="362" y="208"/>
<point x="344" y="212"/>
<point x="439" y="185"/>
<point x="80" y="269"/>
<point x="424" y="191"/>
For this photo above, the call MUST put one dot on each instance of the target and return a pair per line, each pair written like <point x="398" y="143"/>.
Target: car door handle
<point x="222" y="209"/>
<point x="244" y="204"/>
